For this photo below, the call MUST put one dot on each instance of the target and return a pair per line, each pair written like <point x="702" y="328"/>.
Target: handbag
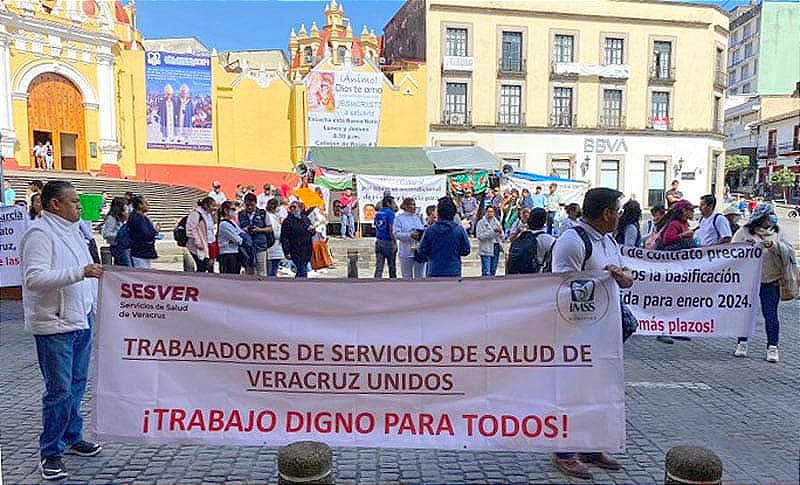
<point x="213" y="250"/>
<point x="629" y="322"/>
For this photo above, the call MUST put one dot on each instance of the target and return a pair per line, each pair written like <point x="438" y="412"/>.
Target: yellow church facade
<point x="80" y="89"/>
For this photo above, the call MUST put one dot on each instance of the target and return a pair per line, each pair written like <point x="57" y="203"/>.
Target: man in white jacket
<point x="59" y="296"/>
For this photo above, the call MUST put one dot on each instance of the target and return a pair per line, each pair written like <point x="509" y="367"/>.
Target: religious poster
<point x="178" y="101"/>
<point x="344" y="108"/>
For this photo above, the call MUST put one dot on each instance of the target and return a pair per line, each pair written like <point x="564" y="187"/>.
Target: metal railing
<point x="456" y="118"/>
<point x="510" y="119"/>
<point x="720" y="79"/>
<point x="563" y="120"/>
<point x="662" y="73"/>
<point x="612" y="121"/>
<point x="511" y="67"/>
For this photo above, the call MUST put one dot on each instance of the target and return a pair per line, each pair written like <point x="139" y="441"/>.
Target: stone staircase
<point x="168" y="203"/>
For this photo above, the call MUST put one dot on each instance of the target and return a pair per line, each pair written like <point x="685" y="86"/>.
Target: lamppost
<point x="677" y="168"/>
<point x="585" y="166"/>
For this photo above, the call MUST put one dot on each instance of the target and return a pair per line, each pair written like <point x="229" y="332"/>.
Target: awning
<point x="374" y="160"/>
<point x="462" y="158"/>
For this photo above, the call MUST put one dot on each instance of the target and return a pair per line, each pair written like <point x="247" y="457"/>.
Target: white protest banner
<point x="425" y="191"/>
<point x="13" y="222"/>
<point x="568" y="191"/>
<point x="701" y="292"/>
<point x="506" y="364"/>
<point x="344" y="108"/>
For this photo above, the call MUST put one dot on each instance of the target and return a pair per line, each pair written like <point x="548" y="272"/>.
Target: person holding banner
<point x="762" y="230"/>
<point x="572" y="253"/>
<point x="60" y="299"/>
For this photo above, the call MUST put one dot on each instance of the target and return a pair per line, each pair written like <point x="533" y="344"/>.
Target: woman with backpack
<point x="628" y="233"/>
<point x="115" y="219"/>
<point x="229" y="238"/>
<point x="762" y="229"/>
<point x="200" y="234"/>
<point x="142" y="233"/>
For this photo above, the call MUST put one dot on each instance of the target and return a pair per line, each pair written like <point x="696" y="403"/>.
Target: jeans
<point x="411" y="269"/>
<point x="385" y="251"/>
<point x="551" y="219"/>
<point x="64" y="362"/>
<point x="230" y="263"/>
<point x="489" y="263"/>
<point x="300" y="268"/>
<point x="204" y="265"/>
<point x="261" y="264"/>
<point x="141" y="263"/>
<point x="348" y="225"/>
<point x="770" y="294"/>
<point x="273" y="265"/>
<point x="122" y="257"/>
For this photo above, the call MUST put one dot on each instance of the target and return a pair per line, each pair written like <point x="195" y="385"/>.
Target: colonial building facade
<point x="625" y="94"/>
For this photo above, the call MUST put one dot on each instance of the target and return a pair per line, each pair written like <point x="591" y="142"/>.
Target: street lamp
<point x="678" y="167"/>
<point x="585" y="166"/>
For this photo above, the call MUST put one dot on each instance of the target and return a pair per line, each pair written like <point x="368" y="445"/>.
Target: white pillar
<point x="106" y="89"/>
<point x="9" y="138"/>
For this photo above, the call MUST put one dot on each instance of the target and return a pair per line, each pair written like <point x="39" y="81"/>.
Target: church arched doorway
<point x="56" y="117"/>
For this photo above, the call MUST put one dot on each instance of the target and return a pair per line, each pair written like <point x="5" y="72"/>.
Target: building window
<point x="796" y="139"/>
<point x="456" y="42"/>
<point x="612" y="108"/>
<point x="512" y="52"/>
<point x="731" y="78"/>
<point x="718" y="59"/>
<point x="660" y="110"/>
<point x="614" y="51"/>
<point x="746" y="88"/>
<point x="564" y="48"/>
<point x="745" y="71"/>
<point x="510" y="105"/>
<point x="772" y="144"/>
<point x="561" y="168"/>
<point x="656" y="183"/>
<point x="748" y="50"/>
<point x="609" y="174"/>
<point x="717" y="122"/>
<point x="308" y="55"/>
<point x="341" y="53"/>
<point x="662" y="59"/>
<point x="455" y="103"/>
<point x="514" y="162"/>
<point x="562" y="107"/>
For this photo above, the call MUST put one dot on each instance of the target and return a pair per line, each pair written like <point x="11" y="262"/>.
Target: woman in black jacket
<point x="296" y="234"/>
<point x="143" y="234"/>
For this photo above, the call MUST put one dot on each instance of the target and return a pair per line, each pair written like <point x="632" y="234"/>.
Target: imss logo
<point x="581" y="296"/>
<point x="582" y="299"/>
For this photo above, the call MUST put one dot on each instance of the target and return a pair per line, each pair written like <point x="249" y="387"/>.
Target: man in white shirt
<point x="216" y="193"/>
<point x="59" y="295"/>
<point x="714" y="227"/>
<point x="600" y="218"/>
<point x="261" y="201"/>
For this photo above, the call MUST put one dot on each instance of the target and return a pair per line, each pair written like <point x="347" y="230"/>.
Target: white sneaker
<point x="741" y="349"/>
<point x="772" y="353"/>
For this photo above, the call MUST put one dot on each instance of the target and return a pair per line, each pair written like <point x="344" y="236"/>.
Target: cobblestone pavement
<point x="694" y="392"/>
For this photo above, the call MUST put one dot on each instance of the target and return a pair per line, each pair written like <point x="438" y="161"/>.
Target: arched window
<point x="341" y="53"/>
<point x="307" y="55"/>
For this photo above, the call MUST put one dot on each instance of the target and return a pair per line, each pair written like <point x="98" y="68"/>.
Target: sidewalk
<point x="689" y="393"/>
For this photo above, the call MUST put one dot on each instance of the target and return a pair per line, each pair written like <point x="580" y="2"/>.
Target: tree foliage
<point x="736" y="163"/>
<point x="783" y="178"/>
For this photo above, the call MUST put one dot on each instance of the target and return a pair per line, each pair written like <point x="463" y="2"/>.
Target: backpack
<point x="123" y="240"/>
<point x="522" y="258"/>
<point x="179" y="233"/>
<point x="547" y="267"/>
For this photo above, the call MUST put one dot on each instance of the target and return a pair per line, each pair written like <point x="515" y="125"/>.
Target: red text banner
<point x="504" y="364"/>
<point x="700" y="292"/>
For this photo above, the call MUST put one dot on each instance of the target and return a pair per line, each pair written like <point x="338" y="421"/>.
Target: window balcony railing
<point x="612" y="121"/>
<point x="512" y="67"/>
<point x="510" y="119"/>
<point x="719" y="126"/>
<point x="720" y="78"/>
<point x="663" y="74"/>
<point x="456" y="118"/>
<point x="563" y="120"/>
<point x="662" y="123"/>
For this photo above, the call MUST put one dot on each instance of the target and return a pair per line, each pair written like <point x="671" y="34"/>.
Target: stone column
<point x="9" y="138"/>
<point x="109" y="147"/>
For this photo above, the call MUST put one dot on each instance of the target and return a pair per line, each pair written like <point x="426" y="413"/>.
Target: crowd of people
<point x="256" y="233"/>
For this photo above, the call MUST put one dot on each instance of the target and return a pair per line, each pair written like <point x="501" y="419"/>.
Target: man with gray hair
<point x="59" y="295"/>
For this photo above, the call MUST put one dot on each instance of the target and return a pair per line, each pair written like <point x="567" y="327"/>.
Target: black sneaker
<point x="53" y="468"/>
<point x="84" y="448"/>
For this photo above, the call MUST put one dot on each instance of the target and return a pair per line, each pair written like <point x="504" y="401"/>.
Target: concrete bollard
<point x="352" y="263"/>
<point x="306" y="462"/>
<point x="692" y="465"/>
<point x="105" y="256"/>
<point x="188" y="263"/>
